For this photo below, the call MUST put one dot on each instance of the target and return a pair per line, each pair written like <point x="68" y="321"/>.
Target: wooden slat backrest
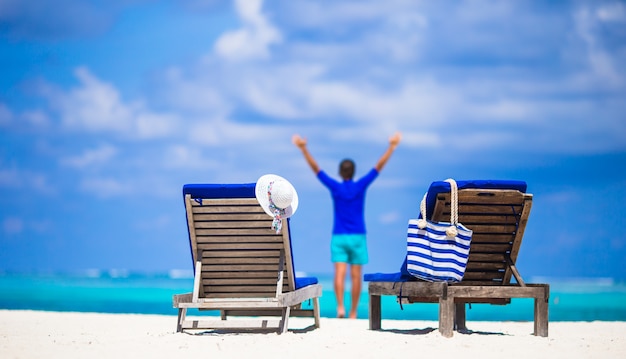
<point x="239" y="251"/>
<point x="498" y="219"/>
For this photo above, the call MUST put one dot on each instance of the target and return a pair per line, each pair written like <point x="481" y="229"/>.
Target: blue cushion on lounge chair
<point x="245" y="190"/>
<point x="386" y="277"/>
<point x="434" y="189"/>
<point x="304" y="281"/>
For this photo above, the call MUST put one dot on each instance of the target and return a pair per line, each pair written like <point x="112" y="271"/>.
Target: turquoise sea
<point x="601" y="299"/>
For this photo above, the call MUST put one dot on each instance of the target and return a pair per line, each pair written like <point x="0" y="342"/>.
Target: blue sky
<point x="108" y="108"/>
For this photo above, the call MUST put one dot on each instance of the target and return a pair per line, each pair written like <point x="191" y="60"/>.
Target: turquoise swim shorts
<point x="348" y="248"/>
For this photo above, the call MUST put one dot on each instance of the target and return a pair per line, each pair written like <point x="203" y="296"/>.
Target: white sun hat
<point x="277" y="197"/>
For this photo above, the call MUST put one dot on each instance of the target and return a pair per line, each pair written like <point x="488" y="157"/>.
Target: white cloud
<point x="371" y="70"/>
<point x="227" y="133"/>
<point x="188" y="157"/>
<point x="401" y="38"/>
<point x="421" y="103"/>
<point x="600" y="60"/>
<point x="333" y="15"/>
<point x="506" y="110"/>
<point x="154" y="125"/>
<point x="37" y="118"/>
<point x="348" y="82"/>
<point x="559" y="199"/>
<point x="105" y="187"/>
<point x="612" y="12"/>
<point x="197" y="95"/>
<point x="253" y="40"/>
<point x="91" y="157"/>
<point x="460" y="142"/>
<point x="269" y="93"/>
<point x="96" y="106"/>
<point x="390" y="217"/>
<point x="304" y="93"/>
<point x="15" y="178"/>
<point x="421" y="139"/>
<point x="14" y="225"/>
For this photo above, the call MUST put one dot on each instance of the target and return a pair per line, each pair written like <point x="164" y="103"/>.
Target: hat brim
<point x="261" y="194"/>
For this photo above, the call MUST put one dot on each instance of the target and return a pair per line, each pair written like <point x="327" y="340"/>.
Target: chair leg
<point x="446" y="316"/>
<point x="182" y="313"/>
<point x="375" y="312"/>
<point x="284" y="321"/>
<point x="459" y="317"/>
<point x="316" y="311"/>
<point x="541" y="317"/>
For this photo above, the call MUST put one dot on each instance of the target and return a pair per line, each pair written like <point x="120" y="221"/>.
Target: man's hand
<point x="393" y="143"/>
<point x="395" y="139"/>
<point x="298" y="141"/>
<point x="301" y="143"/>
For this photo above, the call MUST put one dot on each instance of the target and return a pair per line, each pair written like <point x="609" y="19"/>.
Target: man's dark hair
<point x="346" y="169"/>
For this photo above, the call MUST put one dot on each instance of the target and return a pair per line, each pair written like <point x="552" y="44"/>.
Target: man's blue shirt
<point x="348" y="202"/>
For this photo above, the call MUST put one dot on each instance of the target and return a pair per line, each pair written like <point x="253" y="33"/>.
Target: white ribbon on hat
<point x="277" y="223"/>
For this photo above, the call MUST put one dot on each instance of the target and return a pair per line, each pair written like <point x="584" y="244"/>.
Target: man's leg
<point x="355" y="276"/>
<point x="340" y="277"/>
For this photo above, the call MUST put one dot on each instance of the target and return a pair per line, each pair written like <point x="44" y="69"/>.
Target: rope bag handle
<point x="454" y="210"/>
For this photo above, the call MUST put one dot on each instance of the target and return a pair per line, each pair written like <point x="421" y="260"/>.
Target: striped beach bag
<point x="438" y="251"/>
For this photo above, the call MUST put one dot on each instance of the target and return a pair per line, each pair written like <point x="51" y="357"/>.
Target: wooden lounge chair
<point x="242" y="267"/>
<point x="497" y="212"/>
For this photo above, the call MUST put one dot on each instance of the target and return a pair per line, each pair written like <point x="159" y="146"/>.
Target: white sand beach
<point x="35" y="334"/>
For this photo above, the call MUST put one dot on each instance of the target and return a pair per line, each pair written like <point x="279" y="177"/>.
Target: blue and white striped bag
<point x="438" y="251"/>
